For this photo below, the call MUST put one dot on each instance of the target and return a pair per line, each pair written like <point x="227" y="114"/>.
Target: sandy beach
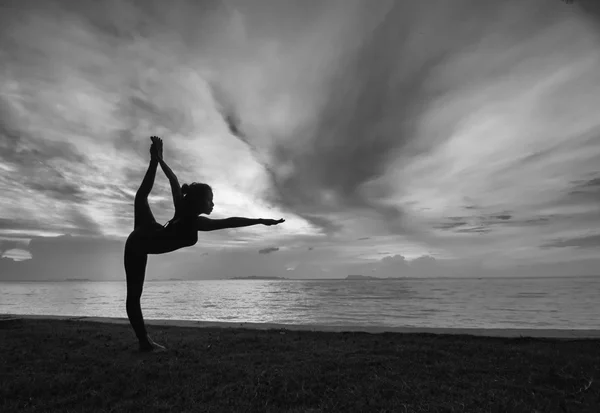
<point x="483" y="332"/>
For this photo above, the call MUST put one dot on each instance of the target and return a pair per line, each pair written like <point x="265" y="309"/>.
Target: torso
<point x="178" y="233"/>
<point x="181" y="231"/>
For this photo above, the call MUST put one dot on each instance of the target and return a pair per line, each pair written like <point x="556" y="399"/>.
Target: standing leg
<point x="135" y="270"/>
<point x="136" y="258"/>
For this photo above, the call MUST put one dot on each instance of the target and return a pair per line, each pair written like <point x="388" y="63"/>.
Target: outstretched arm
<point x="207" y="224"/>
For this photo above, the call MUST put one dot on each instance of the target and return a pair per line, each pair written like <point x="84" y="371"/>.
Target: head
<point x="198" y="198"/>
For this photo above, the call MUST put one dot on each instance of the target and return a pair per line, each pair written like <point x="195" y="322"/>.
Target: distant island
<point x="255" y="277"/>
<point x="361" y="277"/>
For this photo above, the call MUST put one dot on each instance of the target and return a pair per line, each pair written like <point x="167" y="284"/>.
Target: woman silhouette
<point x="149" y="237"/>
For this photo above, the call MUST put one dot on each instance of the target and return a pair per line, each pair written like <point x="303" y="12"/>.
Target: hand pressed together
<point x="156" y="149"/>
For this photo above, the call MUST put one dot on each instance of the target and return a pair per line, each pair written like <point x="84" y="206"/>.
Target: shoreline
<point x="19" y="280"/>
<point x="484" y="332"/>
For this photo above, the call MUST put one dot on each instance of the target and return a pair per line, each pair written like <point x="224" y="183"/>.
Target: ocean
<point x="548" y="303"/>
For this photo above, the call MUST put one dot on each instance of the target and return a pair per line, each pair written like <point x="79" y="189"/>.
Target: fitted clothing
<point x="154" y="238"/>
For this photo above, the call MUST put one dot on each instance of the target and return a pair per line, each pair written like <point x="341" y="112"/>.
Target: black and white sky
<point x="397" y="138"/>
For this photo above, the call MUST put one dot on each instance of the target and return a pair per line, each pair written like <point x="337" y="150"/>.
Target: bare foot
<point x="150" y="345"/>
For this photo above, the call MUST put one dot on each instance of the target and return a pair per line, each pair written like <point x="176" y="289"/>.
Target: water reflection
<point x="496" y="303"/>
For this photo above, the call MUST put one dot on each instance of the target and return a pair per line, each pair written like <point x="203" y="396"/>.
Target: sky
<point x="397" y="138"/>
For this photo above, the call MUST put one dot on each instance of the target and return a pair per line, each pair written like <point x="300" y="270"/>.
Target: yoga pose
<point x="149" y="237"/>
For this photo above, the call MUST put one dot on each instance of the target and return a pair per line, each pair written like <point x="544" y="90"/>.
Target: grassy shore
<point x="78" y="366"/>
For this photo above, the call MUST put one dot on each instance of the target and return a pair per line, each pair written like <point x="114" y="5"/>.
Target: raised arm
<point x="175" y="187"/>
<point x="207" y="224"/>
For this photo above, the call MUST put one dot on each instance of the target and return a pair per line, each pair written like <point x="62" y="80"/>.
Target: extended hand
<point x="156" y="150"/>
<point x="270" y="222"/>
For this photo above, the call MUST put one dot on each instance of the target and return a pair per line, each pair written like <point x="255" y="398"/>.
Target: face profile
<point x="204" y="205"/>
<point x="199" y="198"/>
<point x="209" y="203"/>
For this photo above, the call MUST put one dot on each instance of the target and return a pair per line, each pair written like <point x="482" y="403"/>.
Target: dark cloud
<point x="584" y="191"/>
<point x="57" y="188"/>
<point x="590" y="241"/>
<point x="590" y="8"/>
<point x="34" y="160"/>
<point x="486" y="223"/>
<point x="19" y="224"/>
<point x="363" y="124"/>
<point x="593" y="183"/>
<point x="583" y="184"/>
<point x="23" y="150"/>
<point x="226" y="107"/>
<point x="6" y="245"/>
<point x="367" y="117"/>
<point x="268" y="250"/>
<point x="475" y="230"/>
<point x="583" y="196"/>
<point x="541" y="155"/>
<point x="233" y="124"/>
<point x="327" y="225"/>
<point x="450" y="225"/>
<point x="346" y="138"/>
<point x="536" y="221"/>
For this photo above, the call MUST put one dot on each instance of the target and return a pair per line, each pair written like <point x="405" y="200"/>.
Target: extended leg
<point x="141" y="210"/>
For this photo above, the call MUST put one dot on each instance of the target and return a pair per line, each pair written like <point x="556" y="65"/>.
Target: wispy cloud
<point x="459" y="132"/>
<point x="590" y="241"/>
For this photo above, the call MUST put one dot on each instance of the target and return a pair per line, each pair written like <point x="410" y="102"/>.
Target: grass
<point x="79" y="366"/>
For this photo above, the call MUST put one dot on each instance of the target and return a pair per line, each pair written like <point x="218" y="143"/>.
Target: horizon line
<point x="317" y="279"/>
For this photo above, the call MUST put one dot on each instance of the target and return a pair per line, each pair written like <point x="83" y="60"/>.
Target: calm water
<point x="487" y="303"/>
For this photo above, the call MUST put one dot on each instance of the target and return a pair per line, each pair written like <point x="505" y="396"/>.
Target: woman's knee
<point x="133" y="303"/>
<point x="134" y="290"/>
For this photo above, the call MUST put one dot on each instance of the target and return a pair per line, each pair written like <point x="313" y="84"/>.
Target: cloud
<point x="344" y="132"/>
<point x="585" y="191"/>
<point x="351" y="120"/>
<point x="6" y="245"/>
<point x="268" y="250"/>
<point x="590" y="241"/>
